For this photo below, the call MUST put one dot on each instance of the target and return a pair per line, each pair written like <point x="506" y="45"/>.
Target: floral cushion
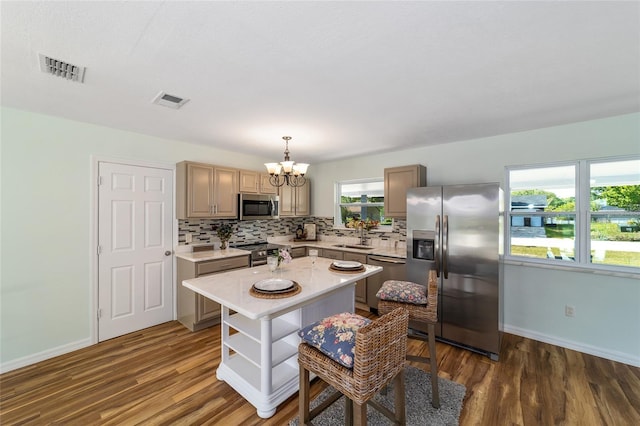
<point x="403" y="291"/>
<point x="335" y="336"/>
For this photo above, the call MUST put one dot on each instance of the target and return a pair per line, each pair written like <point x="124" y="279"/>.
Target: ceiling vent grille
<point x="170" y="101"/>
<point x="61" y="68"/>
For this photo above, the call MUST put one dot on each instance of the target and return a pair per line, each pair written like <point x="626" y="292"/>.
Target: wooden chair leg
<point x="348" y="412"/>
<point x="359" y="414"/>
<point x="435" y="395"/>
<point x="400" y="414"/>
<point x="303" y="397"/>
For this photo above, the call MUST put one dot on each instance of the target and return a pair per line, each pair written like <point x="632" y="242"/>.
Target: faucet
<point x="363" y="239"/>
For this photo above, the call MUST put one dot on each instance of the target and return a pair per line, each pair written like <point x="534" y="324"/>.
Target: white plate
<point x="346" y="264"/>
<point x="273" y="284"/>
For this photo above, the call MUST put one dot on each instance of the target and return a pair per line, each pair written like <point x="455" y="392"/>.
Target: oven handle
<point x="258" y="262"/>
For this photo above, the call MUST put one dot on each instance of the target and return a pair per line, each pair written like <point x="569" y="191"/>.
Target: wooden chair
<point x="426" y="314"/>
<point x="379" y="358"/>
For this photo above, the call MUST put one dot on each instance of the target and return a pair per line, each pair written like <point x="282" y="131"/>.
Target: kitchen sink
<point x="354" y="246"/>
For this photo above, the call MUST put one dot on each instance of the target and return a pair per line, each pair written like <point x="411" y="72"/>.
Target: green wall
<point x="45" y="214"/>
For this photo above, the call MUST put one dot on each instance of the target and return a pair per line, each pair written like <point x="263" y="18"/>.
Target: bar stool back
<point x="422" y="304"/>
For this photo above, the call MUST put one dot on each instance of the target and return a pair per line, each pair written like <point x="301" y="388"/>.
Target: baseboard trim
<point x="44" y="355"/>
<point x="622" y="357"/>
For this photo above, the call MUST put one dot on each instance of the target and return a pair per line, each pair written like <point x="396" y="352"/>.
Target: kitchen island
<point x="259" y="360"/>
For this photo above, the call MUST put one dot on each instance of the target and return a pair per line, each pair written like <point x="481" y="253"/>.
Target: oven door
<point x="257" y="207"/>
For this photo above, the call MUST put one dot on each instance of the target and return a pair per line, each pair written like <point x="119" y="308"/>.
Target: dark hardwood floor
<point x="165" y="375"/>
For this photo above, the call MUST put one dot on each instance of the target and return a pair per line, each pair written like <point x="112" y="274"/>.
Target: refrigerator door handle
<point x="445" y="246"/>
<point x="436" y="244"/>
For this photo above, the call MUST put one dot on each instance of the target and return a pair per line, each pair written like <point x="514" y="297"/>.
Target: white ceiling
<point x="342" y="78"/>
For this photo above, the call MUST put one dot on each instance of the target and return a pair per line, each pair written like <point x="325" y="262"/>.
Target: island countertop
<point x="231" y="289"/>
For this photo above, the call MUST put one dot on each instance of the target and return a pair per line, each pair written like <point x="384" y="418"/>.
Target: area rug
<point x="418" y="403"/>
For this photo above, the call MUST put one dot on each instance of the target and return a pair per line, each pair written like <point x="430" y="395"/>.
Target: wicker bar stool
<point x="379" y="355"/>
<point x="422" y="304"/>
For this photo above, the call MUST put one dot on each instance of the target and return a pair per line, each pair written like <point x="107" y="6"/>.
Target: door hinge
<point x="99" y="250"/>
<point x="99" y="313"/>
<point x="99" y="180"/>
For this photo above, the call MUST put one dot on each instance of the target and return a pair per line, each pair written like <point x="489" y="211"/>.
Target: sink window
<point x="361" y="199"/>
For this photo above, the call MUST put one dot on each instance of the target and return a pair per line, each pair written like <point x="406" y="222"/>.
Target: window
<point x="360" y="199"/>
<point x="585" y="213"/>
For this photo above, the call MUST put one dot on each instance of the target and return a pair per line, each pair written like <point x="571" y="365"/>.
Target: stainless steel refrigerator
<point x="457" y="230"/>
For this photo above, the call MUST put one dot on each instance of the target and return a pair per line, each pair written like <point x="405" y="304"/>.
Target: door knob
<point x="167" y="253"/>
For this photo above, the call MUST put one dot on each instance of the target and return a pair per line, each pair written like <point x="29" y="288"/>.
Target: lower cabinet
<point x="361" y="286"/>
<point x="331" y="254"/>
<point x="194" y="310"/>
<point x="298" y="252"/>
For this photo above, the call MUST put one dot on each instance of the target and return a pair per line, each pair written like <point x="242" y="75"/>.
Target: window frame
<point x="582" y="214"/>
<point x="337" y="215"/>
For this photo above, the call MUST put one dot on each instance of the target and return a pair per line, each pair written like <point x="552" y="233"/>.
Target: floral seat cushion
<point x="403" y="291"/>
<point x="335" y="336"/>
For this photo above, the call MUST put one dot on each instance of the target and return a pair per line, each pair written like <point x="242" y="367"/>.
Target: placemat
<point x="296" y="289"/>
<point x="350" y="271"/>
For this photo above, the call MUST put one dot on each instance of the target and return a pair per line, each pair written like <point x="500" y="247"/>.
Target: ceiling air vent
<point x="170" y="101"/>
<point x="61" y="68"/>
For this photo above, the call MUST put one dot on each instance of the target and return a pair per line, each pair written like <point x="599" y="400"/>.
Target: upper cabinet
<point x="396" y="182"/>
<point x="295" y="201"/>
<point x="206" y="191"/>
<point x="256" y="183"/>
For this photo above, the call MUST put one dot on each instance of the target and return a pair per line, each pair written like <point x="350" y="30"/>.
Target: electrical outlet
<point x="569" y="311"/>
<point x="188" y="238"/>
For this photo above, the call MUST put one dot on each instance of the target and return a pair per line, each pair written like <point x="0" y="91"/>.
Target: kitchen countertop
<point x="400" y="252"/>
<point x="201" y="256"/>
<point x="231" y="288"/>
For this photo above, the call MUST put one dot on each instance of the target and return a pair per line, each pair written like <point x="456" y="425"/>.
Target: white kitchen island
<point x="260" y="360"/>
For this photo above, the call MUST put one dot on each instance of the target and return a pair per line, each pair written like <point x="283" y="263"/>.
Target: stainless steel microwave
<point x="257" y="206"/>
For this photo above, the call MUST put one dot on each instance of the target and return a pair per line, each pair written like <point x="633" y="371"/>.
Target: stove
<point x="260" y="250"/>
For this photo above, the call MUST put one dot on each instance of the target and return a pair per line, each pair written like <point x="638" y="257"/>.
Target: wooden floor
<point x="166" y="375"/>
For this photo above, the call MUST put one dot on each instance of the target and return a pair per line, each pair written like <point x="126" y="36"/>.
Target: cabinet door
<point x="396" y="182"/>
<point x="249" y="181"/>
<point x="199" y="190"/>
<point x="287" y="200"/>
<point x="361" y="285"/>
<point x="225" y="192"/>
<point x="332" y="254"/>
<point x="298" y="252"/>
<point x="295" y="201"/>
<point x="265" y="186"/>
<point x="303" y="199"/>
<point x="207" y="309"/>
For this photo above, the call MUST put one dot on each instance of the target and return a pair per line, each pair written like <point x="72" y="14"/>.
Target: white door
<point x="135" y="266"/>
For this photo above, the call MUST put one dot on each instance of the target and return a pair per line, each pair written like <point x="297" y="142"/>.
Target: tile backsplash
<point x="203" y="231"/>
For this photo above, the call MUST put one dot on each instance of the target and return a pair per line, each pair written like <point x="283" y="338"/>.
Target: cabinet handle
<point x="167" y="253"/>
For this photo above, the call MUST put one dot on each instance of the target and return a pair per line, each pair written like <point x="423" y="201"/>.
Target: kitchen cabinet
<point x="331" y="254"/>
<point x="396" y="182"/>
<point x="361" y="285"/>
<point x="252" y="182"/>
<point x="194" y="310"/>
<point x="295" y="201"/>
<point x="206" y="191"/>
<point x="298" y="252"/>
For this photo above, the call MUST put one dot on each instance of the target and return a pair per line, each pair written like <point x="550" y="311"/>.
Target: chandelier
<point x="287" y="171"/>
